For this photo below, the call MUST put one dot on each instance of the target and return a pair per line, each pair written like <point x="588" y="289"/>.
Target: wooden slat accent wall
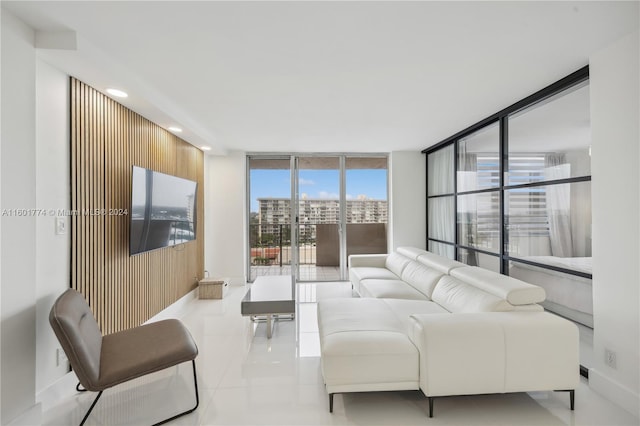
<point x="107" y="139"/>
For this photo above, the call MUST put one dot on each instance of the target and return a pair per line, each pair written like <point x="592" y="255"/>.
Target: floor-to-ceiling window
<point x="269" y="227"/>
<point x="339" y="208"/>
<point x="513" y="194"/>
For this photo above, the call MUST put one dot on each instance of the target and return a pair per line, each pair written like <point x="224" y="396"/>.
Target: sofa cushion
<point x="355" y="314"/>
<point x="396" y="263"/>
<point x="421" y="277"/>
<point x="403" y="309"/>
<point x="394" y="289"/>
<point x="516" y="292"/>
<point x="411" y="252"/>
<point x="440" y="263"/>
<point x="367" y="260"/>
<point x="365" y="273"/>
<point x="359" y="361"/>
<point x="365" y="347"/>
<point x="457" y="296"/>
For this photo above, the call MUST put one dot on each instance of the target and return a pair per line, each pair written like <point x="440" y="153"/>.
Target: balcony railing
<point x="318" y="243"/>
<point x="271" y="245"/>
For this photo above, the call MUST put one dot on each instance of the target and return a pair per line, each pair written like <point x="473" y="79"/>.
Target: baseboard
<point x="33" y="416"/>
<point x="614" y="391"/>
<point x="174" y="310"/>
<point x="62" y="388"/>
<point x="237" y="281"/>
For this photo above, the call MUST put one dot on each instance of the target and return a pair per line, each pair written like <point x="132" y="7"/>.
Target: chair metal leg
<point x="84" y="419"/>
<point x="195" y="385"/>
<point x="430" y="399"/>
<point x="331" y="403"/>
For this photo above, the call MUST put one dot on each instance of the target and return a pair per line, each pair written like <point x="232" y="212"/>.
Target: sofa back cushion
<point x="411" y="252"/>
<point x="514" y="291"/>
<point x="459" y="297"/>
<point x="396" y="263"/>
<point x="440" y="263"/>
<point x="421" y="278"/>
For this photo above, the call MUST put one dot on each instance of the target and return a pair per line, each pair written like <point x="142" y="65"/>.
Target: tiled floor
<point x="246" y="379"/>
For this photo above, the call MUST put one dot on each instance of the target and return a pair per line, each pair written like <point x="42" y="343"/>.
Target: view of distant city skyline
<point x="322" y="184"/>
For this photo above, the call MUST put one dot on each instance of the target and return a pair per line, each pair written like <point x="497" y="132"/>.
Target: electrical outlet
<point x="61" y="357"/>
<point x="61" y="225"/>
<point x="610" y="358"/>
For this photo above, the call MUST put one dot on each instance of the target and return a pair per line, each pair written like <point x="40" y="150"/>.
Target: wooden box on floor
<point x="212" y="288"/>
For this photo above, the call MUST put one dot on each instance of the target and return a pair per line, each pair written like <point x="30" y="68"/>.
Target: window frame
<point x="502" y="118"/>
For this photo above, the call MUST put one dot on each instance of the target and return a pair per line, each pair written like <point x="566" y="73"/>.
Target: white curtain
<point x="441" y="219"/>
<point x="558" y="201"/>
<point x="440" y="168"/>
<point x="441" y="215"/>
<point x="442" y="249"/>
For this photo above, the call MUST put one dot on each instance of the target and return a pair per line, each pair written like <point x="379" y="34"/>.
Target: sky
<point x="318" y="184"/>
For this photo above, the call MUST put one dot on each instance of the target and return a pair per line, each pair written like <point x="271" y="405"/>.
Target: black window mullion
<point x="575" y="179"/>
<point x="426" y="186"/>
<point x="455" y="200"/>
<point x="504" y="169"/>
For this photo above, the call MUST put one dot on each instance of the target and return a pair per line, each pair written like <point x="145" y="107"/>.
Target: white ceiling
<point x="325" y="76"/>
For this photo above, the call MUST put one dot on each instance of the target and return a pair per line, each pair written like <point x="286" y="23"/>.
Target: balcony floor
<point x="307" y="272"/>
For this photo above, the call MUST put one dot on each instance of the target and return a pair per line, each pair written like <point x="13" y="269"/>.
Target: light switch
<point x="61" y="225"/>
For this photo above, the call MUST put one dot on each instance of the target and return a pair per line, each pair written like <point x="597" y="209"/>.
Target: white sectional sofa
<point x="430" y="323"/>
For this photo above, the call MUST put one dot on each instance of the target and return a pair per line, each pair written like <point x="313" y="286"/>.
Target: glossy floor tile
<point x="246" y="379"/>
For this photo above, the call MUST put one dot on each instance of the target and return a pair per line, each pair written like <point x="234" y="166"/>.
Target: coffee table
<point x="270" y="296"/>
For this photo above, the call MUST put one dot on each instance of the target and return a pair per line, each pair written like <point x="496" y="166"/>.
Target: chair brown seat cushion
<point x="138" y="351"/>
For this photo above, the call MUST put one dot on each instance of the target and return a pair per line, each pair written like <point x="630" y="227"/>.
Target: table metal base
<point x="270" y="318"/>
<point x="270" y="297"/>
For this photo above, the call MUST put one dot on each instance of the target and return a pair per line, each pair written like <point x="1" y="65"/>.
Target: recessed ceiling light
<point x="205" y="148"/>
<point x="175" y="129"/>
<point x="117" y="93"/>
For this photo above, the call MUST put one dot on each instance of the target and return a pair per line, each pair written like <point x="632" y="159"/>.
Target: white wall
<point x="225" y="217"/>
<point x="52" y="193"/>
<point x="407" y="200"/>
<point x="18" y="245"/>
<point x="614" y="76"/>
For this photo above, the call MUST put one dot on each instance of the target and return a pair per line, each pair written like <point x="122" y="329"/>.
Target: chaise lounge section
<point x="430" y="323"/>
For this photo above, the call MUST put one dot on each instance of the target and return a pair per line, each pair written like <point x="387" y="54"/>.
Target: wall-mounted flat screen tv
<point x="163" y="210"/>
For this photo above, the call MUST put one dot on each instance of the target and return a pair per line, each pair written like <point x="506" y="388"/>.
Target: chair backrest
<point x="79" y="334"/>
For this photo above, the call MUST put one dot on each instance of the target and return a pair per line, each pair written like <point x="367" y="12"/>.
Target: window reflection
<point x="483" y="260"/>
<point x="551" y="139"/>
<point x="479" y="221"/>
<point x="566" y="294"/>
<point x="552" y="220"/>
<point x="478" y="160"/>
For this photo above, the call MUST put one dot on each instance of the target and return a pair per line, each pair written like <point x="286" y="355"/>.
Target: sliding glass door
<point x="339" y="208"/>
<point x="319" y="218"/>
<point x="269" y="229"/>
